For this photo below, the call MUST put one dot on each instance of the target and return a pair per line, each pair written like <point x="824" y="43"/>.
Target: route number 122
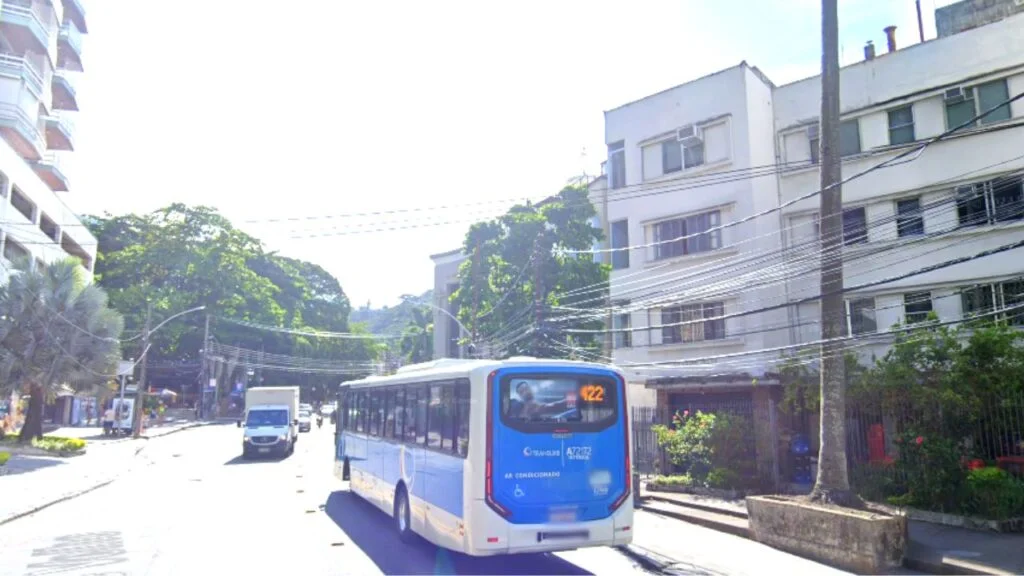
<point x="592" y="393"/>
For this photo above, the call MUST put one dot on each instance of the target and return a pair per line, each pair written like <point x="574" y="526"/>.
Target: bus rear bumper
<point x="507" y="538"/>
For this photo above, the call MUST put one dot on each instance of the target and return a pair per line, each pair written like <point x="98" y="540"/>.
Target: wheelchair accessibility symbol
<point x="518" y="492"/>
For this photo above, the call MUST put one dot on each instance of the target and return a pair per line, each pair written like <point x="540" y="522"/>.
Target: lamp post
<point x="146" y="334"/>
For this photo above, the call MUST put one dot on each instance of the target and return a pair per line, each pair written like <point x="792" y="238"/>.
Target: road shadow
<point x="372" y="531"/>
<point x="253" y="460"/>
<point x="23" y="464"/>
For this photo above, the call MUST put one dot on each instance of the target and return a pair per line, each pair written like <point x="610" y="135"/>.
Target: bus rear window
<point x="561" y="399"/>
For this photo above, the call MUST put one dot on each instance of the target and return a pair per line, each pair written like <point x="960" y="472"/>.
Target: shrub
<point x="933" y="471"/>
<point x="702" y="443"/>
<point x="4" y="457"/>
<point x="683" y="480"/>
<point x="994" y="493"/>
<point x="59" y="444"/>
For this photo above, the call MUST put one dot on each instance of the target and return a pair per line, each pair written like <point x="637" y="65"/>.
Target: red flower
<point x="919" y="440"/>
<point x="686" y="413"/>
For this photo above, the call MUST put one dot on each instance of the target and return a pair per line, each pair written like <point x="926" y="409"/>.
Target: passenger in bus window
<point x="528" y="408"/>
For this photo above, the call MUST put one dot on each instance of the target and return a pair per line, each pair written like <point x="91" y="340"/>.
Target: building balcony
<point x="18" y="67"/>
<point x="22" y="132"/>
<point x="26" y="26"/>
<point x="50" y="169"/>
<point x="60" y="132"/>
<point x="69" y="47"/>
<point x="65" y="97"/>
<point x="75" y="12"/>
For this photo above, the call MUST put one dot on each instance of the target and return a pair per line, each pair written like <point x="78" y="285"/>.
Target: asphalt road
<point x="195" y="507"/>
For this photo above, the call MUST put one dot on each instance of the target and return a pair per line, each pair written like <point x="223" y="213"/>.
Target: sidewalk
<point x="32" y="483"/>
<point x="933" y="548"/>
<point x="94" y="434"/>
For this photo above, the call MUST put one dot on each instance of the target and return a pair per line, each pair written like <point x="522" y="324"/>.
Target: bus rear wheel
<point x="402" y="516"/>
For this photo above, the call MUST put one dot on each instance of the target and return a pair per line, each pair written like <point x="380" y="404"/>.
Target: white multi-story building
<point x="732" y="148"/>
<point x="679" y="167"/>
<point x="959" y="197"/>
<point x="446" y="328"/>
<point x="40" y="57"/>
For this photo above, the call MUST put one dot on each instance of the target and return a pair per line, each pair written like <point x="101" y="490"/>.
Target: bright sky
<point x="318" y="110"/>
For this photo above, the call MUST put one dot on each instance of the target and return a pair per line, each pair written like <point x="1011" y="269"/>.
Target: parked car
<point x="305" y="421"/>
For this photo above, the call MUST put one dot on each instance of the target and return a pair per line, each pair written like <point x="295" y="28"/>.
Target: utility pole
<point x="920" y="22"/>
<point x="538" y="334"/>
<point x="833" y="484"/>
<point x="609" y="341"/>
<point x="474" y="278"/>
<point x="204" y="378"/>
<point x="140" y="396"/>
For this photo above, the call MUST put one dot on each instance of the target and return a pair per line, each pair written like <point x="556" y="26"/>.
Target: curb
<point x="740" y="531"/>
<point x="649" y="560"/>
<point x="63" y="498"/>
<point x="698" y="506"/>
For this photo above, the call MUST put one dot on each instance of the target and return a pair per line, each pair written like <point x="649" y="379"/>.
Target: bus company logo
<point x="579" y="452"/>
<point x="534" y="453"/>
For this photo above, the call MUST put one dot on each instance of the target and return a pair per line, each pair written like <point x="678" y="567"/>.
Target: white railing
<point x="68" y="80"/>
<point x="73" y="36"/>
<point x="23" y="66"/>
<point x="32" y="13"/>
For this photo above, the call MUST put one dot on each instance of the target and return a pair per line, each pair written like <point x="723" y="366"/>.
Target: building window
<point x="999" y="200"/>
<point x="916" y="306"/>
<point x="814" y="140"/>
<point x="855" y="230"/>
<point x="901" y="126"/>
<point x="689" y="235"/>
<point x="986" y="299"/>
<point x="693" y="323"/>
<point x="617" y="164"/>
<point x="861" y="316"/>
<point x="909" y="221"/>
<point x="962" y="107"/>
<point x="990" y="95"/>
<point x="849" y="138"/>
<point x="622" y="336"/>
<point x="693" y="154"/>
<point x="671" y="156"/>
<point x="14" y="251"/>
<point x="620" y="244"/>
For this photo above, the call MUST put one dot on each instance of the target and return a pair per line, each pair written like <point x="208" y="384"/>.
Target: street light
<point x="472" y="345"/>
<point x="146" y="334"/>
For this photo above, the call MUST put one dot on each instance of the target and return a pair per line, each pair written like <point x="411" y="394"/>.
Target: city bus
<point x="489" y="457"/>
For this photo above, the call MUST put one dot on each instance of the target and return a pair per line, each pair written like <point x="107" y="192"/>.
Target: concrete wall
<point x="969" y="14"/>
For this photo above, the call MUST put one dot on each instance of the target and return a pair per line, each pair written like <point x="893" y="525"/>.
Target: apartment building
<point x="40" y="60"/>
<point x="682" y="163"/>
<point x="959" y="197"/>
<point x="705" y="261"/>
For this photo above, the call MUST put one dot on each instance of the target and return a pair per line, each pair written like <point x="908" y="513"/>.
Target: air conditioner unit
<point x="688" y="135"/>
<point x="812" y="132"/>
<point x="958" y="94"/>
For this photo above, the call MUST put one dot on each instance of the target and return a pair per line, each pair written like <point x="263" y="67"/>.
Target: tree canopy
<point x="180" y="257"/>
<point x="517" y="268"/>
<point x="55" y="331"/>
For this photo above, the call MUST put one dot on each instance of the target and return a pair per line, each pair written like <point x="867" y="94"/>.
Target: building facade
<point x="715" y="257"/>
<point x="40" y="59"/>
<point x="446" y="329"/>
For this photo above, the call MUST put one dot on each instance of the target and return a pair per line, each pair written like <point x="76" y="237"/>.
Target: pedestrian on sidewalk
<point x="108" y="420"/>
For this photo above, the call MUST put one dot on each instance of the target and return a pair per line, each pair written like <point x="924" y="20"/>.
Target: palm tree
<point x="418" y="338"/>
<point x="54" y="331"/>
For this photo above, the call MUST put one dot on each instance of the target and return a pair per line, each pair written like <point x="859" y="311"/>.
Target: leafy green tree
<point x="417" y="344"/>
<point x="518" y="270"/>
<point x="180" y="257"/>
<point x="54" y="330"/>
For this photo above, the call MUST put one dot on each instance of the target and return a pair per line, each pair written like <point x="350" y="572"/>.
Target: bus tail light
<point x="489" y="462"/>
<point x="629" y="468"/>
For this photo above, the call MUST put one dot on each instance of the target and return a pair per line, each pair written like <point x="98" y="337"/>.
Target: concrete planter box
<point x="697" y="491"/>
<point x="968" y="522"/>
<point x="869" y="541"/>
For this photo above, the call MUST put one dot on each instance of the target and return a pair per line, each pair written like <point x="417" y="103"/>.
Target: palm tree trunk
<point x="33" y="427"/>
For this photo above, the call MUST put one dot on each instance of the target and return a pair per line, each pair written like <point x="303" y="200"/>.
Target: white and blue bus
<point x="490" y="457"/>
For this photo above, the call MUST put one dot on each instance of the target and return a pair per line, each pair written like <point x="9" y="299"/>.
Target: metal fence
<point x="783" y="441"/>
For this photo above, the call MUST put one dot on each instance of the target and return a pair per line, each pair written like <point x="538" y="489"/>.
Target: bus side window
<point x="435" y="428"/>
<point x="447" y="418"/>
<point x="361" y="412"/>
<point x="411" y="398"/>
<point x="462" y="418"/>
<point x="399" y="413"/>
<point x="421" y="416"/>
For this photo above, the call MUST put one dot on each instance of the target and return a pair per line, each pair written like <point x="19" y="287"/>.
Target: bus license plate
<point x="573" y="535"/>
<point x="264" y="450"/>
